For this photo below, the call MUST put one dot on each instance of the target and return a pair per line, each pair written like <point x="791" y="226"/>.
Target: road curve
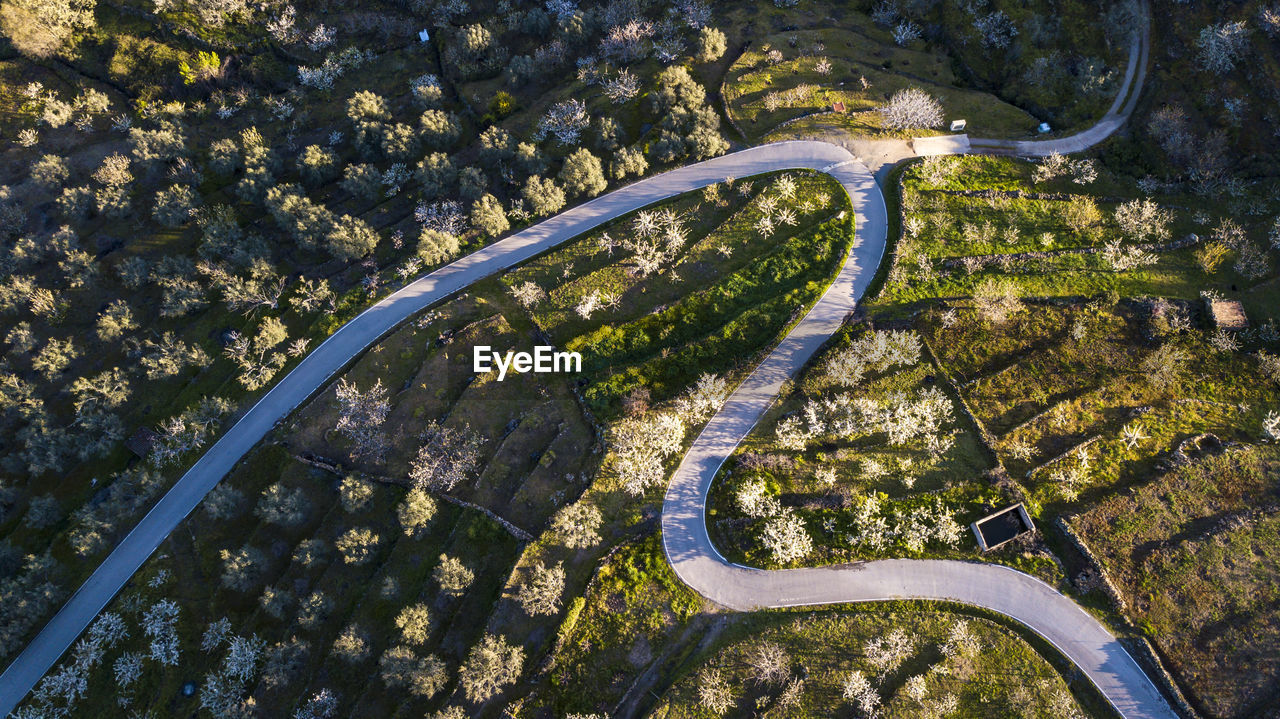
<point x="1077" y="634"/>
<point x="1117" y="115"/>
<point x="1047" y="612"/>
<point x="339" y="349"/>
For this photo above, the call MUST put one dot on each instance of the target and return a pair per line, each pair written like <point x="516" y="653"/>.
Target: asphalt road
<point x="1077" y="634"/>
<point x="343" y="346"/>
<point x="1050" y="614"/>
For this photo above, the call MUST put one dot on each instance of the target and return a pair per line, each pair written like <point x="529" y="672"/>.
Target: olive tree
<point x="541" y="591"/>
<point x="627" y="162"/>
<point x="711" y="44"/>
<point x="352" y="645"/>
<point x="488" y="216"/>
<point x="453" y="576"/>
<point x="582" y="174"/>
<point x="577" y="525"/>
<point x="414" y="623"/>
<point x="175" y="205"/>
<point x="242" y="569"/>
<point x="40" y="28"/>
<point x="435" y="247"/>
<point x="416" y="512"/>
<point x="400" y="666"/>
<point x="317" y="165"/>
<point x="436" y="174"/>
<point x="354" y="494"/>
<point x="492" y="665"/>
<point x="282" y="506"/>
<point x="358" y="545"/>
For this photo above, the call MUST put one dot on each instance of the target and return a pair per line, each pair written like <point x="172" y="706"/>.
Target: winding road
<point x="1050" y="614"/>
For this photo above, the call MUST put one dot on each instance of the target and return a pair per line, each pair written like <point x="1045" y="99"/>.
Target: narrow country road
<point x="1077" y="634"/>
<point x="344" y="345"/>
<point x="1050" y="614"/>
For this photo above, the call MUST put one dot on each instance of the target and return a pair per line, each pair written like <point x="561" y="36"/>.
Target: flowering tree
<point x="786" y="538"/>
<point x="887" y="652"/>
<point x="1221" y="46"/>
<point x="641" y="446"/>
<point x="912" y="109"/>
<point x="874" y="351"/>
<point x="703" y="399"/>
<point x="857" y="688"/>
<point x="361" y="416"/>
<point x="656" y="238"/>
<point x="1143" y="220"/>
<point x="564" y="121"/>
<point x="996" y="300"/>
<point x="528" y="293"/>
<point x="321" y="705"/>
<point x="158" y="624"/>
<point x="1122" y="259"/>
<point x="447" y="457"/>
<point x="714" y="694"/>
<point x="770" y="663"/>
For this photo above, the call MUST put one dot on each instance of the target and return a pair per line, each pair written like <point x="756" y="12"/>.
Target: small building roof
<point x="1228" y="314"/>
<point x="1002" y="526"/>
<point x="141" y="441"/>
<point x="838" y="106"/>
